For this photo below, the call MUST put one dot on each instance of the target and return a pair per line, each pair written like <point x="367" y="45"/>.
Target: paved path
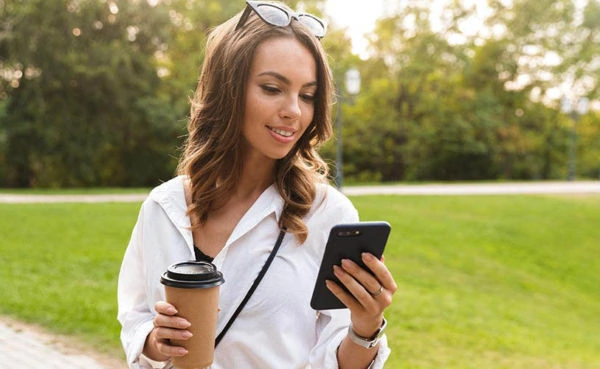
<point x="81" y="198"/>
<point x="513" y="188"/>
<point x="26" y="347"/>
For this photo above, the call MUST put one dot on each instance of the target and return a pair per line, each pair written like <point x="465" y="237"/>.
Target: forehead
<point x="287" y="56"/>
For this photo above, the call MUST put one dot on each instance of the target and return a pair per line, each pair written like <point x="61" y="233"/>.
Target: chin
<point x="278" y="155"/>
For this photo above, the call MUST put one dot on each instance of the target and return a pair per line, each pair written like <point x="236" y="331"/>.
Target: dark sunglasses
<point x="275" y="15"/>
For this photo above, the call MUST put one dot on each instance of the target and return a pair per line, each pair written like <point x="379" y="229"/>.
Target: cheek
<point x="308" y="115"/>
<point x="252" y="111"/>
<point x="307" y="128"/>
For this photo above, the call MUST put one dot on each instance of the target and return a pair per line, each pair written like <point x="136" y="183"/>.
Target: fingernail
<point x="336" y="270"/>
<point x="346" y="263"/>
<point x="367" y="257"/>
<point x="181" y="351"/>
<point x="171" y="310"/>
<point x="187" y="334"/>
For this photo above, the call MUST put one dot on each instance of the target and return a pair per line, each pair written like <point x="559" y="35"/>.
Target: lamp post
<point x="352" y="84"/>
<point x="582" y="108"/>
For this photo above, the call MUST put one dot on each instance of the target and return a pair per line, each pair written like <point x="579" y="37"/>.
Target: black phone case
<point x="347" y="241"/>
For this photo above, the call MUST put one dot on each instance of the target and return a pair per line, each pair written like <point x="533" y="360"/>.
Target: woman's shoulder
<point x="330" y="207"/>
<point x="330" y="199"/>
<point x="173" y="186"/>
<point x="169" y="195"/>
<point x="325" y="189"/>
<point x="167" y="199"/>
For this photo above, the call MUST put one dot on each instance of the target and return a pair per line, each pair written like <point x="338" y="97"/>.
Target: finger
<point x="167" y="334"/>
<point x="165" y="348"/>
<point x="366" y="279"/>
<point x="381" y="272"/>
<point x="167" y="321"/>
<point x="163" y="307"/>
<point x="347" y="299"/>
<point x="358" y="291"/>
<point x="166" y="316"/>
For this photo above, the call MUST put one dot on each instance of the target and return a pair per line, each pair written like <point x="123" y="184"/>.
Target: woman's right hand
<point x="167" y="326"/>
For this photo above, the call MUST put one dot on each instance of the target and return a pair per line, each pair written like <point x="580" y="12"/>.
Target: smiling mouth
<point x="281" y="132"/>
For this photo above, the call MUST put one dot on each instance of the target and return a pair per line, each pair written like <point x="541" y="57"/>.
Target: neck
<point x="255" y="179"/>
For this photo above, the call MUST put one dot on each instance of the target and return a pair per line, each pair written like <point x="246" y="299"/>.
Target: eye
<point x="308" y="96"/>
<point x="270" y="90"/>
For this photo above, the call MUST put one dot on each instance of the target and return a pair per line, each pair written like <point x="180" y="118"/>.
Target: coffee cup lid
<point x="192" y="274"/>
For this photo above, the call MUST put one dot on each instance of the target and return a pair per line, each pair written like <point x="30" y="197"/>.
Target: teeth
<point x="282" y="132"/>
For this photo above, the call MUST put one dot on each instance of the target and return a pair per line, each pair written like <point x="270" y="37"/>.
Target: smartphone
<point x="347" y="241"/>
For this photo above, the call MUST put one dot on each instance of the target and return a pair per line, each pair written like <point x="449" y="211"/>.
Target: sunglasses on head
<point x="275" y="15"/>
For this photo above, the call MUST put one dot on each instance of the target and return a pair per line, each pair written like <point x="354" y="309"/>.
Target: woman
<point x="250" y="169"/>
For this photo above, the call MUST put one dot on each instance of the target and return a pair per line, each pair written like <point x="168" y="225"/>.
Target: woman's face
<point x="280" y="98"/>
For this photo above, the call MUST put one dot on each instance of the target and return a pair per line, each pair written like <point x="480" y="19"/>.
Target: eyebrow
<point x="284" y="79"/>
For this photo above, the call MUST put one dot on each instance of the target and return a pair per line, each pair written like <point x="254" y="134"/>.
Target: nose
<point x="291" y="108"/>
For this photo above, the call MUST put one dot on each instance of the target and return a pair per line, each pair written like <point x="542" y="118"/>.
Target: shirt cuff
<point x="383" y="352"/>
<point x="136" y="358"/>
<point x="146" y="362"/>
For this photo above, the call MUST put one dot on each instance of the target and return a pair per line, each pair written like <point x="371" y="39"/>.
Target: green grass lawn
<point x="485" y="281"/>
<point x="59" y="266"/>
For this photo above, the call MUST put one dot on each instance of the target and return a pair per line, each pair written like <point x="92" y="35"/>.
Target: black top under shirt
<point x="200" y="256"/>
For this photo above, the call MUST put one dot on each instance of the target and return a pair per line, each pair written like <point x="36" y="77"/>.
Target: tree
<point x="81" y="106"/>
<point x="97" y="92"/>
<point x="464" y="105"/>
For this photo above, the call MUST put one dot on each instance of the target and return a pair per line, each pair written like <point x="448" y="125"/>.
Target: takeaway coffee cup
<point x="193" y="288"/>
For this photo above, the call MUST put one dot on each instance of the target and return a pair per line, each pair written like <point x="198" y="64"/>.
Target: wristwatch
<point x="367" y="342"/>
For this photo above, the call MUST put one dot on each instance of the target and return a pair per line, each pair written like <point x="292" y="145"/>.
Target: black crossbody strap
<point x="254" y="285"/>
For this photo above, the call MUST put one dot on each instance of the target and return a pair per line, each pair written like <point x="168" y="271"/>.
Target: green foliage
<point x="97" y="92"/>
<point x="588" y="130"/>
<point x="440" y="103"/>
<point x="85" y="109"/>
<point x="484" y="281"/>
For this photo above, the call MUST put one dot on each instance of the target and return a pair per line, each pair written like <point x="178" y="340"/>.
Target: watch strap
<point x="369" y="342"/>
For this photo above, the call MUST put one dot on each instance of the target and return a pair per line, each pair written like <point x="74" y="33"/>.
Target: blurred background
<point x="96" y="92"/>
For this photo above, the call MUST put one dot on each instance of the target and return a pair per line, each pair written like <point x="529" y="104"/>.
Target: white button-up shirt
<point x="277" y="328"/>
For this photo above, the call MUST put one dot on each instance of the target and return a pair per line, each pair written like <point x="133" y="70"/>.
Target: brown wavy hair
<point x="213" y="155"/>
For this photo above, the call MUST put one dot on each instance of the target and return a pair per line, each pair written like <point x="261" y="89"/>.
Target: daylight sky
<point x="357" y="17"/>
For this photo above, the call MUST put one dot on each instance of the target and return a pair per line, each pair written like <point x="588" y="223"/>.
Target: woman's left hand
<point x="370" y="294"/>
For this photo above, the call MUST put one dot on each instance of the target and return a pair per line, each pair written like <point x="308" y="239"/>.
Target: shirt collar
<point x="269" y="202"/>
<point x="171" y="197"/>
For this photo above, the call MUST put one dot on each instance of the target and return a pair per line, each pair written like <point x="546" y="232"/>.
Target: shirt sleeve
<point x="135" y="311"/>
<point x="332" y="328"/>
